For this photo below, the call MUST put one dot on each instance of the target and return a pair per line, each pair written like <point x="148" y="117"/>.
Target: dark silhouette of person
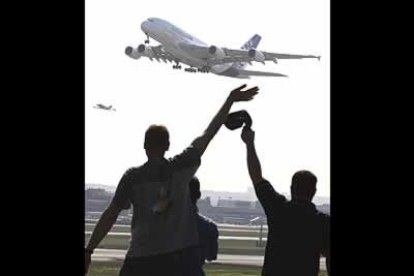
<point x="208" y="234"/>
<point x="298" y="234"/>
<point x="163" y="225"/>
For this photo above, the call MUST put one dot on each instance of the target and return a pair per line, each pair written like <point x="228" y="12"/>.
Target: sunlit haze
<point x="291" y="116"/>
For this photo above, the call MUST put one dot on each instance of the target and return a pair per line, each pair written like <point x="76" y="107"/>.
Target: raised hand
<point x="238" y="95"/>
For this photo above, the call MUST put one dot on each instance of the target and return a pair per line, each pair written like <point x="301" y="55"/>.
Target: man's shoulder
<point x="265" y="188"/>
<point x="207" y="222"/>
<point x="133" y="173"/>
<point x="207" y="228"/>
<point x="190" y="156"/>
<point x="135" y="169"/>
<point x="323" y="216"/>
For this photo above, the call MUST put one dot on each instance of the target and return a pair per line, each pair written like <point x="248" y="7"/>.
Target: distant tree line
<point x="99" y="194"/>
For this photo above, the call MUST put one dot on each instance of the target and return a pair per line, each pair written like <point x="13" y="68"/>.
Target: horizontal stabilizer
<point x="258" y="73"/>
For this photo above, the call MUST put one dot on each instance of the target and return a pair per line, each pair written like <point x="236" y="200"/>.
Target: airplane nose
<point x="145" y="26"/>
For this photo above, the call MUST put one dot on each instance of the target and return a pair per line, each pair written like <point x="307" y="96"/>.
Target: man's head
<point x="157" y="140"/>
<point x="303" y="186"/>
<point x="195" y="192"/>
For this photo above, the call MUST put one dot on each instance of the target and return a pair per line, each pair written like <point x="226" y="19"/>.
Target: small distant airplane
<point x="179" y="46"/>
<point x="103" y="107"/>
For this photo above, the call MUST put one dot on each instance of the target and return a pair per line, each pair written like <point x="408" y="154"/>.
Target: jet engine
<point x="257" y="55"/>
<point x="132" y="53"/>
<point x="145" y="50"/>
<point x="216" y="52"/>
<point x="141" y="50"/>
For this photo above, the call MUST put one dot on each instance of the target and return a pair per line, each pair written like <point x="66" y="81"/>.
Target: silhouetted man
<point x="207" y="232"/>
<point x="163" y="224"/>
<point x="298" y="233"/>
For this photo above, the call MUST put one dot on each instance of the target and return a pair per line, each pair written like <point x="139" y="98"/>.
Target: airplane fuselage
<point x="171" y="37"/>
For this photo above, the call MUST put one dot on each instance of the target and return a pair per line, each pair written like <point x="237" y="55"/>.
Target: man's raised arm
<point x="268" y="197"/>
<point x="237" y="95"/>
<point x="253" y="163"/>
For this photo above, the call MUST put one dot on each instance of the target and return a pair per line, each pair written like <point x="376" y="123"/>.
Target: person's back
<point x="174" y="229"/>
<point x="298" y="234"/>
<point x="208" y="240"/>
<point x="296" y="237"/>
<point x="207" y="248"/>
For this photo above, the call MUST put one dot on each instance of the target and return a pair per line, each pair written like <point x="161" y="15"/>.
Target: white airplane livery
<point x="180" y="47"/>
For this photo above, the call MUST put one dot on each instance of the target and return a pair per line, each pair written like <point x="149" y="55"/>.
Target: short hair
<point x="303" y="184"/>
<point x="194" y="187"/>
<point x="157" y="137"/>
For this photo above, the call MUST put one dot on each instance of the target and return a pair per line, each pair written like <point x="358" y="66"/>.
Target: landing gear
<point x="191" y="69"/>
<point x="147" y="41"/>
<point x="177" y="65"/>
<point x="203" y="70"/>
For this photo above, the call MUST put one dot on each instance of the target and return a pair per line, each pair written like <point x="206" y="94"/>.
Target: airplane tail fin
<point x="252" y="43"/>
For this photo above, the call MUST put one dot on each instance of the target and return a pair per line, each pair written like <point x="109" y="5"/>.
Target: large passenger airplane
<point x="180" y="47"/>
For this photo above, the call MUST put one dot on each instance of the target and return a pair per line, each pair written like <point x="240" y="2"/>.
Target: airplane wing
<point x="268" y="55"/>
<point x="158" y="52"/>
<point x="240" y="55"/>
<point x="227" y="55"/>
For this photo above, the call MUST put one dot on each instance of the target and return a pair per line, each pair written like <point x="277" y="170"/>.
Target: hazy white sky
<point x="291" y="116"/>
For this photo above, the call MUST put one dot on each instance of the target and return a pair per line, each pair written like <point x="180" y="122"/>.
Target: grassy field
<point x="236" y="247"/>
<point x="112" y="269"/>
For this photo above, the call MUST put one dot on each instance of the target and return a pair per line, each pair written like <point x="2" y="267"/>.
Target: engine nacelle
<point x="145" y="50"/>
<point x="257" y="55"/>
<point x="216" y="52"/>
<point x="132" y="53"/>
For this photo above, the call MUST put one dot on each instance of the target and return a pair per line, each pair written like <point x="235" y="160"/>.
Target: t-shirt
<point x="175" y="229"/>
<point x="298" y="234"/>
